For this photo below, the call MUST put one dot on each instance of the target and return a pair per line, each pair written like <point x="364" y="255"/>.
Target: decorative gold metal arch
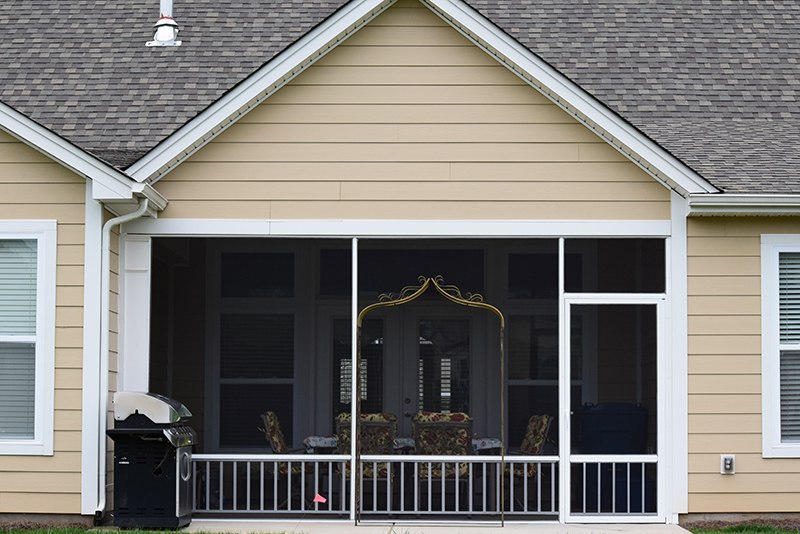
<point x="406" y="295"/>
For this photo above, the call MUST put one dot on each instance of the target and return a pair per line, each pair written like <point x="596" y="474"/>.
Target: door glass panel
<point x="443" y="365"/>
<point x="616" y="348"/>
<point x="371" y="389"/>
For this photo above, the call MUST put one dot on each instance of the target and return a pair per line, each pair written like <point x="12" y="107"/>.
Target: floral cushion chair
<point x="533" y="442"/>
<point x="442" y="434"/>
<point x="377" y="431"/>
<point x="272" y="431"/>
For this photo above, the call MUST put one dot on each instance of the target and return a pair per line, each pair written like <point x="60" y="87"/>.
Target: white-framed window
<point x="27" y="336"/>
<point x="780" y="360"/>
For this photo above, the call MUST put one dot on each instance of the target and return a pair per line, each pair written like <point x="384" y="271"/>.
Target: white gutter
<point x="105" y="282"/>
<point x="744" y="205"/>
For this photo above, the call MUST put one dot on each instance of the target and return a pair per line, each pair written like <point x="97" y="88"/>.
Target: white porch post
<point x="134" y="342"/>
<point x="677" y="407"/>
<point x="355" y="389"/>
<point x="563" y="394"/>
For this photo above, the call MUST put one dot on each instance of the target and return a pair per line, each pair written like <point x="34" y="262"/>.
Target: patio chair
<point x="377" y="433"/>
<point x="536" y="436"/>
<point x="442" y="434"/>
<point x="274" y="435"/>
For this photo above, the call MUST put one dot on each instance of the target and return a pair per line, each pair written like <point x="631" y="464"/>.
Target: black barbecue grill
<point x="152" y="461"/>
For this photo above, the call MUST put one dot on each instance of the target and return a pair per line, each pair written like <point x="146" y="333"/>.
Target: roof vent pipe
<point x="166" y="27"/>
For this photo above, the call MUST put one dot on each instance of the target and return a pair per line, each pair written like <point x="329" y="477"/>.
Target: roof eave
<point x="743" y="205"/>
<point x="109" y="184"/>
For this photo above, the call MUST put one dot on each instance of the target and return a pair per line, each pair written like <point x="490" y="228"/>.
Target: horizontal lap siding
<point x="34" y="187"/>
<point x="724" y="291"/>
<point x="409" y="120"/>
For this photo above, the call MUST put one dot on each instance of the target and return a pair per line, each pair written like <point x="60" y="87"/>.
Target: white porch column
<point x="134" y="336"/>
<point x="355" y="387"/>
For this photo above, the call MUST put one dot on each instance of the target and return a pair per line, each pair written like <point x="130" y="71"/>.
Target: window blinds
<point x="17" y="328"/>
<point x="17" y="287"/>
<point x="789" y="302"/>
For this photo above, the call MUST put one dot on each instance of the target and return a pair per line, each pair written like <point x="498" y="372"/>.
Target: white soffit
<point x="485" y="34"/>
<point x="110" y="183"/>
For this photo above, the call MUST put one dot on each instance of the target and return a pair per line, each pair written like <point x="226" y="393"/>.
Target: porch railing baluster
<point x="469" y="507"/>
<point x="233" y="477"/>
<point x="261" y="484"/>
<point x="221" y="492"/>
<point x="613" y="487"/>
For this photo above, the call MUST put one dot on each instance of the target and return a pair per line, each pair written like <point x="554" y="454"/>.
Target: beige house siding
<point x="724" y="266"/>
<point x="34" y="187"/>
<point x="409" y="120"/>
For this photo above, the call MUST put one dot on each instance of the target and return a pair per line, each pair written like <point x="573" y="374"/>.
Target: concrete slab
<point x="346" y="527"/>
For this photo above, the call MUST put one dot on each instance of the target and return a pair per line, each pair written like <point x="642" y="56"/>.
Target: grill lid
<point x="158" y="408"/>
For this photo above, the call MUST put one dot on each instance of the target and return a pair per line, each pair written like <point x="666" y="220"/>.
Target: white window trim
<point x="45" y="234"/>
<point x="771" y="246"/>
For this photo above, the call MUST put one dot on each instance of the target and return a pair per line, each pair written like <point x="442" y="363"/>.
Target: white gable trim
<point x="485" y="34"/>
<point x="111" y="183"/>
<point x="571" y="98"/>
<point x="255" y="89"/>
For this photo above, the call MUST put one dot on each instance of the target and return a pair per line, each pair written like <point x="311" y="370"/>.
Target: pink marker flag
<point x="320" y="498"/>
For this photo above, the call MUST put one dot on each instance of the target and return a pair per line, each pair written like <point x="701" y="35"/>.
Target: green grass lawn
<point x="746" y="529"/>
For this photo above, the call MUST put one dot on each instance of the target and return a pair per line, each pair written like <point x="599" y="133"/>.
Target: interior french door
<point x="613" y="436"/>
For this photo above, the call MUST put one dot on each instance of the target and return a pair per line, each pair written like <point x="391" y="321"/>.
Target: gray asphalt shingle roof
<point x="715" y="82"/>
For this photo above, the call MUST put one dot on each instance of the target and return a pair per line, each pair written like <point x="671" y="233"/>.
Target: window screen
<point x="18" y="277"/>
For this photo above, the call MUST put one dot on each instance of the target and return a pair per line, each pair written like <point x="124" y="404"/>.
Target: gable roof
<point x="713" y="83"/>
<point x="109" y="184"/>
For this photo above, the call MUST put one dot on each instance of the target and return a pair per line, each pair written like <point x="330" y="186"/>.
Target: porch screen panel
<point x="789" y="303"/>
<point x="616" y="349"/>
<point x="18" y="275"/>
<point x="618" y="265"/>
<point x="256" y="375"/>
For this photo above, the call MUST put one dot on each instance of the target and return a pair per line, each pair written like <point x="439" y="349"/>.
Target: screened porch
<point x="562" y="418"/>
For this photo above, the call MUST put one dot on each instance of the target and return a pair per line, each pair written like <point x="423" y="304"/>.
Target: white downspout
<point x="105" y="282"/>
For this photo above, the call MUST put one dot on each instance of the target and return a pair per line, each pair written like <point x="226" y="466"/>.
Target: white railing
<point x="400" y="486"/>
<point x="624" y="486"/>
<point x="411" y="485"/>
<point x="270" y="484"/>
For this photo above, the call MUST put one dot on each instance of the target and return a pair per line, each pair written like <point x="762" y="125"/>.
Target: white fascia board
<point x="743" y="205"/>
<point x="255" y="89"/>
<point x="112" y="184"/>
<point x="157" y="201"/>
<point x="570" y="97"/>
<point x="371" y="228"/>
